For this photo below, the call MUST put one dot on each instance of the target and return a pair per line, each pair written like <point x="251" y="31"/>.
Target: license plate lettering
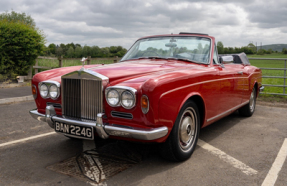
<point x="74" y="130"/>
<point x="89" y="132"/>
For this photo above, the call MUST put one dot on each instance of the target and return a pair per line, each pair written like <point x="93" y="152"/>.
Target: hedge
<point x="20" y="45"/>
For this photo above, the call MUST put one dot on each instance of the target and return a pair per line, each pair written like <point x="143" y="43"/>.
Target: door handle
<point x="240" y="72"/>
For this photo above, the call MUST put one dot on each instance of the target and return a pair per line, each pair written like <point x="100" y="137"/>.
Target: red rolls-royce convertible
<point x="164" y="90"/>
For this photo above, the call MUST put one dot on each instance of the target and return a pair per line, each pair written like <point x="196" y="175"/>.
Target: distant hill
<point x="274" y="47"/>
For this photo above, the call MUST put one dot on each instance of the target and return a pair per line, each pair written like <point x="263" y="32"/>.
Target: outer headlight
<point x="54" y="92"/>
<point x="113" y="97"/>
<point x="44" y="90"/>
<point x="127" y="100"/>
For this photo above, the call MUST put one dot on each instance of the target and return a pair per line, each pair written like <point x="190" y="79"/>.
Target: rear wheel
<point x="183" y="138"/>
<point x="249" y="109"/>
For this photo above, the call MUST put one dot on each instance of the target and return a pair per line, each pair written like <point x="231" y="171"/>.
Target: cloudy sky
<point x="121" y="22"/>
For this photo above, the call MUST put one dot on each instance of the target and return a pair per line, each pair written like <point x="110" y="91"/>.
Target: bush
<point x="20" y="45"/>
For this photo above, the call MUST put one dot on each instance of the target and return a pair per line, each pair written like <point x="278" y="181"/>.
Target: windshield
<point x="195" y="49"/>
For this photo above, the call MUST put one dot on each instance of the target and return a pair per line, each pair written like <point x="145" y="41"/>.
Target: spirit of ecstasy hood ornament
<point x="83" y="60"/>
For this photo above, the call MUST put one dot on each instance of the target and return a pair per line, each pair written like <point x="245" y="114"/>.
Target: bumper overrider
<point x="104" y="130"/>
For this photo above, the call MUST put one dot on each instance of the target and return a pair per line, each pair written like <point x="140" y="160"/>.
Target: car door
<point x="229" y="96"/>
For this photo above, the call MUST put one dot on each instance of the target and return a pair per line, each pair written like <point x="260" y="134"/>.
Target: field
<point x="271" y="64"/>
<point x="54" y="63"/>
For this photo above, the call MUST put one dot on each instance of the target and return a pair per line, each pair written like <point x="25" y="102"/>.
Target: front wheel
<point x="183" y="138"/>
<point x="249" y="109"/>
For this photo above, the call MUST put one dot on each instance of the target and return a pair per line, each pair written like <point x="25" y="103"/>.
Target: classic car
<point x="164" y="90"/>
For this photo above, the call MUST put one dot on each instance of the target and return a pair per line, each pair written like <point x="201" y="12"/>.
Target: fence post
<point x="284" y="77"/>
<point x="60" y="58"/>
<point x="116" y="59"/>
<point x="89" y="60"/>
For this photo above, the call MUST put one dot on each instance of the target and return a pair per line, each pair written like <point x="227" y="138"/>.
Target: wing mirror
<point x="220" y="60"/>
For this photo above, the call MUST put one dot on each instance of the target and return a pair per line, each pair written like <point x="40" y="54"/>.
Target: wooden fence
<point x="60" y="59"/>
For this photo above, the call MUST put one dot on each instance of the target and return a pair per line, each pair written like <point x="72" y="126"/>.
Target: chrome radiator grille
<point x="82" y="98"/>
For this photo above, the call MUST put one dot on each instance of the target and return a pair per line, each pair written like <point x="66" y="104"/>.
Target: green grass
<point x="271" y="64"/>
<point x="66" y="63"/>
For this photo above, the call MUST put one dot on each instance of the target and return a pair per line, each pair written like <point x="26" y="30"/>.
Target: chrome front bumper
<point x="104" y="130"/>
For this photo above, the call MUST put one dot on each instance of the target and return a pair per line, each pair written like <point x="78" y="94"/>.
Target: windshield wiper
<point x="181" y="59"/>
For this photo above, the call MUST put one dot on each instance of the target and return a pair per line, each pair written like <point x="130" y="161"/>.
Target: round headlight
<point x="128" y="99"/>
<point x="113" y="97"/>
<point x="44" y="91"/>
<point x="53" y="91"/>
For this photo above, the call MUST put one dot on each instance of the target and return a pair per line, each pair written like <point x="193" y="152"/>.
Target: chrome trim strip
<point x="141" y="134"/>
<point x="230" y="110"/>
<point x="38" y="116"/>
<point x="103" y="129"/>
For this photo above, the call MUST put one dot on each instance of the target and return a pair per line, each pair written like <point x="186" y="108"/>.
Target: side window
<point x="215" y="56"/>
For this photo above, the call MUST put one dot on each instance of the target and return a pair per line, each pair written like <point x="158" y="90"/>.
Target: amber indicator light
<point x="34" y="91"/>
<point x="144" y="102"/>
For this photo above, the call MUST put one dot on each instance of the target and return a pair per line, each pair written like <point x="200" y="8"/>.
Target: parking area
<point x="232" y="151"/>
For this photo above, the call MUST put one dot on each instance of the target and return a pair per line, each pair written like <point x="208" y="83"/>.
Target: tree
<point x="70" y="52"/>
<point x="284" y="51"/>
<point x="18" y="17"/>
<point x="86" y="51"/>
<point x="79" y="52"/>
<point x="59" y="51"/>
<point x="20" y="43"/>
<point x="52" y="48"/>
<point x="220" y="47"/>
<point x="252" y="46"/>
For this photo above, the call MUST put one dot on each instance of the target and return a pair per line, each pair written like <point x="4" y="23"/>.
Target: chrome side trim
<point x="230" y="110"/>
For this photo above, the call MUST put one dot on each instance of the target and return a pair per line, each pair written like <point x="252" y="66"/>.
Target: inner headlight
<point x="113" y="97"/>
<point x="44" y="91"/>
<point x="53" y="91"/>
<point x="128" y="99"/>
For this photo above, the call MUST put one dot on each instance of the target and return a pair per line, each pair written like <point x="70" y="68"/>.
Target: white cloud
<point x="113" y="22"/>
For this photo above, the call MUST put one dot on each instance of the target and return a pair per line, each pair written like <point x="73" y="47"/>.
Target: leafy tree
<point x="95" y="51"/>
<point x="86" y="51"/>
<point x="18" y="17"/>
<point x="70" y="52"/>
<point x="52" y="48"/>
<point x="59" y="51"/>
<point x="78" y="52"/>
<point x="284" y="51"/>
<point x="261" y="52"/>
<point x="20" y="43"/>
<point x="252" y="46"/>
<point x="220" y="47"/>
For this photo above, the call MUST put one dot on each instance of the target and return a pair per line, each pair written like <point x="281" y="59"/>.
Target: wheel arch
<point x="199" y="101"/>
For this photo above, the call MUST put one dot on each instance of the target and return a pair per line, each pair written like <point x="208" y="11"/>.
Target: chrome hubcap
<point x="187" y="128"/>
<point x="252" y="100"/>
